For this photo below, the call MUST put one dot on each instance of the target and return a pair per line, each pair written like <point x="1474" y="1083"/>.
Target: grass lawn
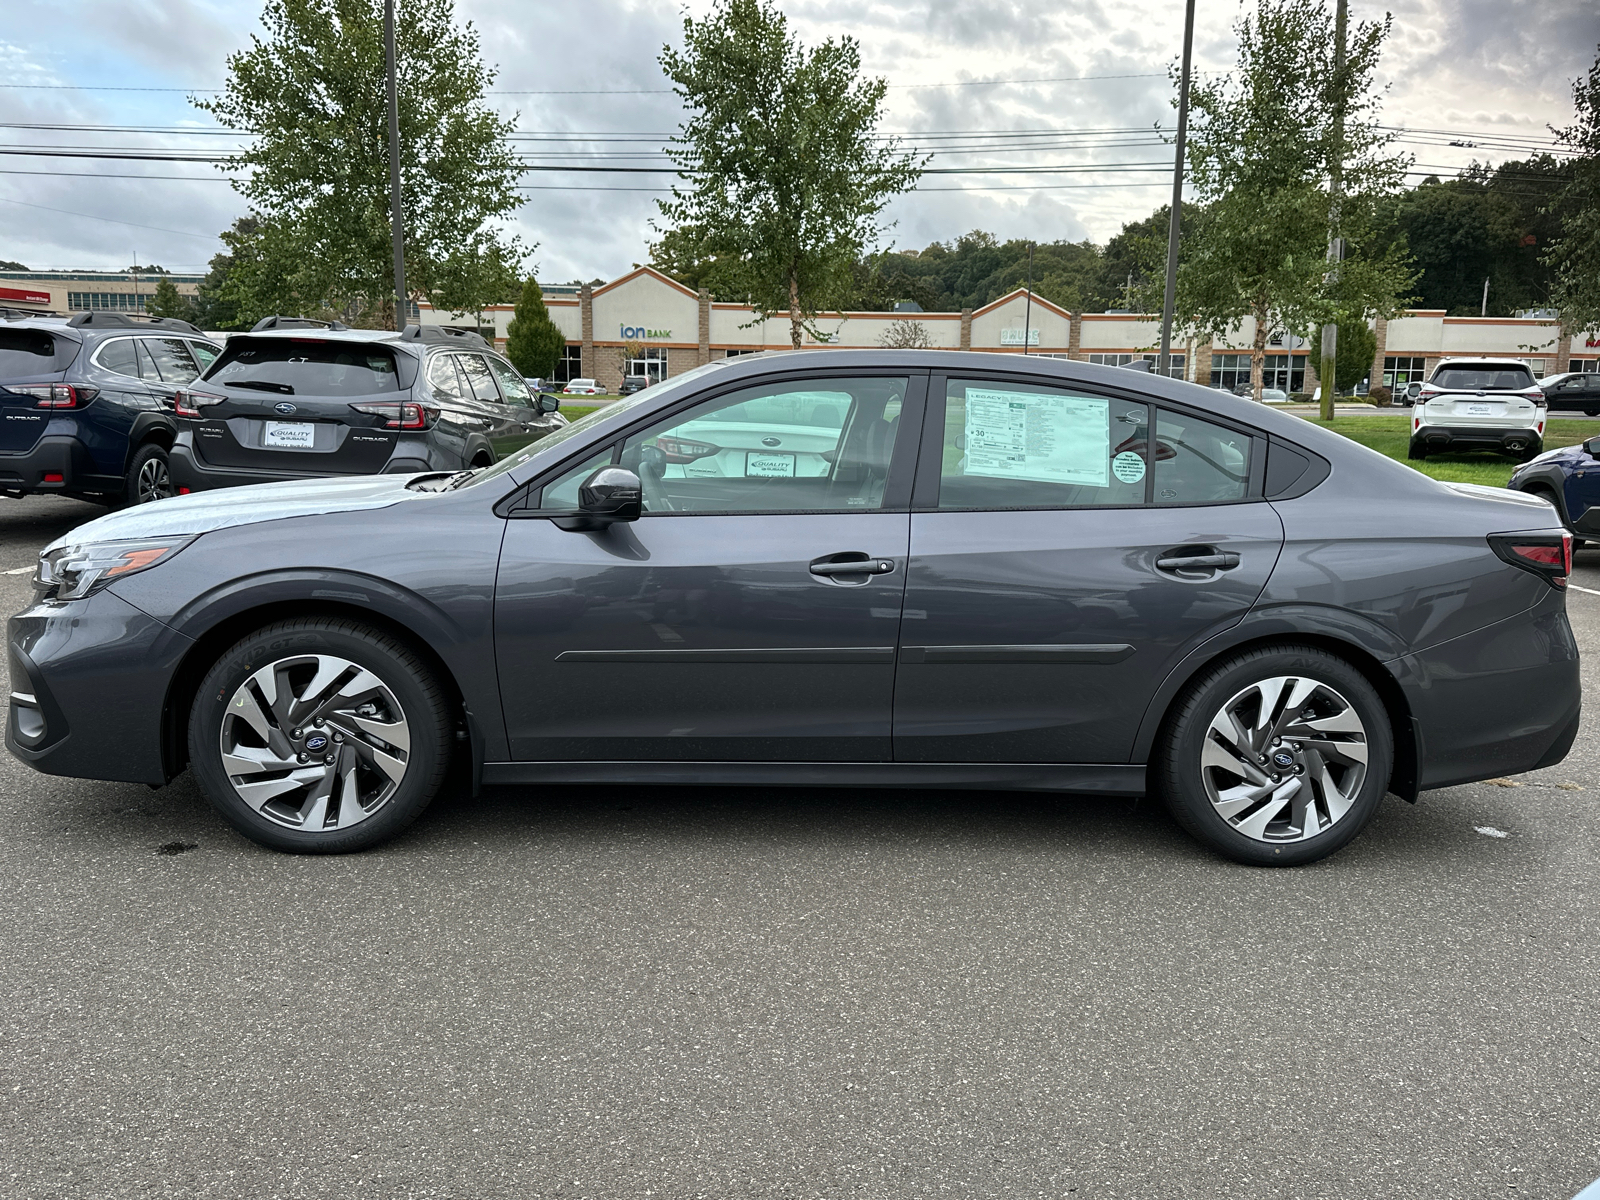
<point x="1390" y="434"/>
<point x="573" y="411"/>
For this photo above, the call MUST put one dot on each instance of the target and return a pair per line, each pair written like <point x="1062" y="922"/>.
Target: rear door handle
<point x="1198" y="562"/>
<point x="854" y="566"/>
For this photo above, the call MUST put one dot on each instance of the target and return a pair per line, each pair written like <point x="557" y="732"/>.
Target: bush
<point x="1380" y="396"/>
<point x="1299" y="397"/>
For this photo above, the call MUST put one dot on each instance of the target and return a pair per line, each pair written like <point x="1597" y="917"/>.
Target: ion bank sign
<point x="640" y="333"/>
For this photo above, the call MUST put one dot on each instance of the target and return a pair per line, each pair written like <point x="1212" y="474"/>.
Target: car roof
<point x="1481" y="361"/>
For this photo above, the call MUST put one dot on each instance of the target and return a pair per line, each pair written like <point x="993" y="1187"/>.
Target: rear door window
<point x="476" y="372"/>
<point x="1198" y="462"/>
<point x="1018" y="445"/>
<point x="173" y="361"/>
<point x="445" y="379"/>
<point x="25" y="352"/>
<point x="121" y="356"/>
<point x="513" y="385"/>
<point x="309" y="366"/>
<point x="1492" y="377"/>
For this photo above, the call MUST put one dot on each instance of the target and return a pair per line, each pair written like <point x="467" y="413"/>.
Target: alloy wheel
<point x="1284" y="759"/>
<point x="154" y="482"/>
<point x="315" y="742"/>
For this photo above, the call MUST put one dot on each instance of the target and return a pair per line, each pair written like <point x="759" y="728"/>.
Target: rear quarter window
<point x="26" y="352"/>
<point x="1483" y="379"/>
<point x="310" y="366"/>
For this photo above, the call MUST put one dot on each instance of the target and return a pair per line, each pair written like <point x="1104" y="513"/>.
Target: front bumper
<point x="1498" y="701"/>
<point x="189" y="475"/>
<point x="89" y="681"/>
<point x="1512" y="441"/>
<point x="54" y="454"/>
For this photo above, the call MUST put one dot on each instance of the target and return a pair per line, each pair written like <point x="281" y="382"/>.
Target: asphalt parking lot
<point x="613" y="992"/>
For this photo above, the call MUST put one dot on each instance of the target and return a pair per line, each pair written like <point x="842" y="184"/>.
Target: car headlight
<point x="72" y="572"/>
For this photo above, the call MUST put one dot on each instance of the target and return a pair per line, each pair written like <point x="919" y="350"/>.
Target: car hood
<point x="205" y="512"/>
<point x="1562" y="454"/>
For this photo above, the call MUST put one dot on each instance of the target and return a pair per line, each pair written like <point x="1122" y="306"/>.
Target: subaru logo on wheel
<point x="284" y="407"/>
<point x="1281" y="759"/>
<point x="316" y="742"/>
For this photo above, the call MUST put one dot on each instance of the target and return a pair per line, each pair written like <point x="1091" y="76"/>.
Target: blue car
<point x="1568" y="478"/>
<point x="86" y="403"/>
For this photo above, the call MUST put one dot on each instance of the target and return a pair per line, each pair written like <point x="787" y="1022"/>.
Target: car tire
<point x="383" y="737"/>
<point x="1208" y="765"/>
<point x="149" y="476"/>
<point x="1591" y="412"/>
<point x="1417" y="450"/>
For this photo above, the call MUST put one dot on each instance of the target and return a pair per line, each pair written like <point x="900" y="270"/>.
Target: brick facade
<point x="586" y="307"/>
<point x="703" y="354"/>
<point x="966" y="329"/>
<point x="1075" y="336"/>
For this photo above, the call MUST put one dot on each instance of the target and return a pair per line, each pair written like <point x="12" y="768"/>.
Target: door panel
<point x="1041" y="636"/>
<point x="699" y="637"/>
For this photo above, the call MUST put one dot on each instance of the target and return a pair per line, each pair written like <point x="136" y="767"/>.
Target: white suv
<point x="1479" y="404"/>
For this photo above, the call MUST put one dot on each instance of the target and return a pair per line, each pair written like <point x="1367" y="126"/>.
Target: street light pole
<point x="1330" y="331"/>
<point x="1027" y="312"/>
<point x="1164" y="362"/>
<point x="396" y="220"/>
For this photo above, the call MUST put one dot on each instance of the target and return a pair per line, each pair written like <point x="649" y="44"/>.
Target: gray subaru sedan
<point x="890" y="568"/>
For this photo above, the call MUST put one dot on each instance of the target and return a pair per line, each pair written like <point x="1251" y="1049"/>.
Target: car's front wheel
<point x="1276" y="757"/>
<point x="319" y="736"/>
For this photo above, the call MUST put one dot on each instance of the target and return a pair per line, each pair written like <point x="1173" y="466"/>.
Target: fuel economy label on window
<point x="1050" y="439"/>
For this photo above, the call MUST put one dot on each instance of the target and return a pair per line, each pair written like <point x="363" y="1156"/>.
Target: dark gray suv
<point x="298" y="399"/>
<point x="896" y="568"/>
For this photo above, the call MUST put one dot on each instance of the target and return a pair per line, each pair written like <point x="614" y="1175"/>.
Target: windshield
<point x="585" y="423"/>
<point x="1489" y="377"/>
<point x="308" y="366"/>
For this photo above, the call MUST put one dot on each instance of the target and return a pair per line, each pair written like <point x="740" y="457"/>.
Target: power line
<point x="210" y="237"/>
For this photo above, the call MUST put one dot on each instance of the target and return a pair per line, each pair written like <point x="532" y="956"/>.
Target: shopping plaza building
<point x="645" y="323"/>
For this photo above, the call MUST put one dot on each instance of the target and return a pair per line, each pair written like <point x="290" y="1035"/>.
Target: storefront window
<point x="570" y="365"/>
<point x="1122" y="360"/>
<point x="1585" y="365"/>
<point x="1400" y="369"/>
<point x="651" y="364"/>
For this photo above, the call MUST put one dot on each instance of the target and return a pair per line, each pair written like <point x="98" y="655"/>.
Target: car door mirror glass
<point x="608" y="496"/>
<point x="1592" y="447"/>
<point x="549" y="404"/>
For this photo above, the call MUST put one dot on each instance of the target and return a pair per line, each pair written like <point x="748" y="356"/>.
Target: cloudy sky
<point x="1491" y="73"/>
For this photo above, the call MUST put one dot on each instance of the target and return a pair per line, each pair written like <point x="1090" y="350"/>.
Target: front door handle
<point x="1198" y="562"/>
<point x="856" y="564"/>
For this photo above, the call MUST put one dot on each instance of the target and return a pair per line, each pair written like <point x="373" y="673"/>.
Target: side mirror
<point x="1592" y="447"/>
<point x="610" y="495"/>
<point x="549" y="404"/>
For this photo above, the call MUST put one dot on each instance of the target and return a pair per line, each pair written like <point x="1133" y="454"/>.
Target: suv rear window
<point x="33" y="352"/>
<point x="1490" y="377"/>
<point x="310" y="366"/>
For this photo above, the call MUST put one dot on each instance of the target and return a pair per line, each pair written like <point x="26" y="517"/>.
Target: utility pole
<point x="1330" y="331"/>
<point x="1483" y="311"/>
<point x="1164" y="363"/>
<point x="396" y="220"/>
<point x="1027" y="318"/>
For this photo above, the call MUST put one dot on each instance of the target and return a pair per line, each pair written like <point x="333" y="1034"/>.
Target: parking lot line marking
<point x="1573" y="586"/>
<point x="19" y="570"/>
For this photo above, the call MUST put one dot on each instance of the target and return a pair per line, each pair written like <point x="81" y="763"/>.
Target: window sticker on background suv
<point x="1051" y="439"/>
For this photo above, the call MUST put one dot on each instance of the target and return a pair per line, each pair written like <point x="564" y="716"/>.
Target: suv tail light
<point x="1543" y="554"/>
<point x="400" y="414"/>
<point x="685" y="450"/>
<point x="55" y="395"/>
<point x="188" y="403"/>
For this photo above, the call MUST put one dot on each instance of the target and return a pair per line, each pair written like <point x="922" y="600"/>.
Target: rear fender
<point x="148" y="427"/>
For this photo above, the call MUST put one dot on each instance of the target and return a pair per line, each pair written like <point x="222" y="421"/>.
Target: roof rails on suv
<point x="444" y="335"/>
<point x="268" y="323"/>
<point x="22" y="314"/>
<point x="132" y="321"/>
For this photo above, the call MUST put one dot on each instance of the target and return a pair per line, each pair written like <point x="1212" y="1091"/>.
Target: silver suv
<point x="1479" y="404"/>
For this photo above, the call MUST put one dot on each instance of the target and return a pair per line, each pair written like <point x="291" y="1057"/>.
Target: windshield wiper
<point x="261" y="385"/>
<point x="461" y="477"/>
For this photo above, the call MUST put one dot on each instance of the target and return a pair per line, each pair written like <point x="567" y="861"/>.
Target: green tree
<point x="7" y="265"/>
<point x="1353" y="359"/>
<point x="1265" y="143"/>
<point x="1575" y="256"/>
<point x="533" y="343"/>
<point x="784" y="175"/>
<point x="312" y="91"/>
<point x="167" y="302"/>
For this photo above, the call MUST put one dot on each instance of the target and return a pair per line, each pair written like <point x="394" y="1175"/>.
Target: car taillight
<point x="56" y="395"/>
<point x="188" y="403"/>
<point x="400" y="415"/>
<point x="1543" y="554"/>
<point x="684" y="450"/>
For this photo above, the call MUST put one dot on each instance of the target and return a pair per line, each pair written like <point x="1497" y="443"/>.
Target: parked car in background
<point x="1109" y="585"/>
<point x="1569" y="478"/>
<point x="86" y="403"/>
<point x="1274" y="396"/>
<point x="1573" y="391"/>
<point x="632" y="384"/>
<point x="296" y="398"/>
<point x="1479" y="404"/>
<point x="583" y="387"/>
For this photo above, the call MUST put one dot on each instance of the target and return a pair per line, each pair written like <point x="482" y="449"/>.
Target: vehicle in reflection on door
<point x="874" y="568"/>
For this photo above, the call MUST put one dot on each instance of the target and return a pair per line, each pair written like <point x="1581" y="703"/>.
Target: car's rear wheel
<point x="1417" y="449"/>
<point x="1276" y="757"/>
<point x="149" y="477"/>
<point x="1591" y="412"/>
<point x="319" y="736"/>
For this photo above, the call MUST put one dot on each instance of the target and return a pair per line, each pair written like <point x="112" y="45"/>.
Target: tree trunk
<point x="1258" y="354"/>
<point x="794" y="305"/>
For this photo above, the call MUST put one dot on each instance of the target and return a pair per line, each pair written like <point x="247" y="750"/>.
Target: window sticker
<point x="1128" y="467"/>
<point x="1049" y="439"/>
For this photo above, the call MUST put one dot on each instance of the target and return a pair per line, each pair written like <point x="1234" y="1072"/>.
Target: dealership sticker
<point x="1128" y="467"/>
